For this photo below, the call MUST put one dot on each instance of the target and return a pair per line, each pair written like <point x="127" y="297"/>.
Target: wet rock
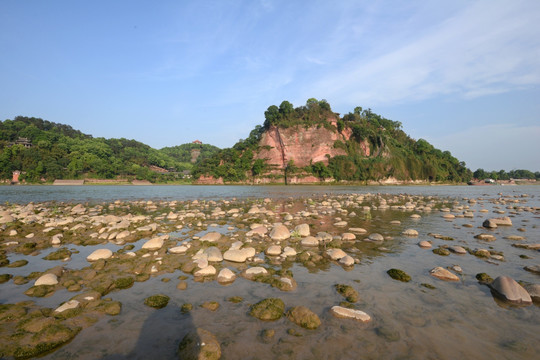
<point x="182" y="249"/>
<point x="533" y="268"/>
<point x="398" y="274"/>
<point x="211" y="237"/>
<point x="441" y="251"/>
<point x="206" y="271"/>
<point x="258" y="230"/>
<point x="254" y="271"/>
<point x="302" y="316"/>
<point x="443" y="274"/>
<point x="347" y="292"/>
<point x="482" y="253"/>
<point x="226" y="276"/>
<point x="348" y="236"/>
<point x="280" y="232"/>
<point x="500" y="221"/>
<point x="99" y="254"/>
<point x="424" y="244"/>
<point x="310" y="241"/>
<point x="268" y="309"/>
<point x="124" y="282"/>
<point x="358" y="230"/>
<point x="240" y="255"/>
<point x="458" y="249"/>
<point x="210" y="305"/>
<point x="155" y="243"/>
<point x="509" y="290"/>
<point x="346" y="261"/>
<point x="213" y="254"/>
<point x="182" y="285"/>
<point x="410" y="232"/>
<point x="345" y="313"/>
<point x="273" y="250"/>
<point x="199" y="344"/>
<point x="335" y="254"/>
<point x="534" y="291"/>
<point x="485" y="237"/>
<point x="340" y="224"/>
<point x="157" y="301"/>
<point x="376" y="237"/>
<point x="47" y="279"/>
<point x="302" y="230"/>
<point x="68" y="305"/>
<point x="288" y="251"/>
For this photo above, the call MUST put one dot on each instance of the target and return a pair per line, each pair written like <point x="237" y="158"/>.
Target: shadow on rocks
<point x="161" y="336"/>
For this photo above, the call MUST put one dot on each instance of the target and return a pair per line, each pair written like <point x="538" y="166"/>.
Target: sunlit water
<point x="457" y="320"/>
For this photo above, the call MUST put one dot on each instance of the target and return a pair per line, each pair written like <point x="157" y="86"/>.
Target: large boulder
<point x="239" y="255"/>
<point x="47" y="279"/>
<point x="500" y="221"/>
<point x="280" y="232"/>
<point x="508" y="289"/>
<point x="211" y="237"/>
<point x="302" y="230"/>
<point x="99" y="254"/>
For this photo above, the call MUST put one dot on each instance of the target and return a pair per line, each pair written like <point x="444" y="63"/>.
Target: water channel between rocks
<point x="446" y="320"/>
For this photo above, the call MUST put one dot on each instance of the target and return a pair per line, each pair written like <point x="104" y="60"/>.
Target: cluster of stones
<point x="252" y="239"/>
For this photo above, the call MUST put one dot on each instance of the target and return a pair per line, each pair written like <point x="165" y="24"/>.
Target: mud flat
<point x="374" y="275"/>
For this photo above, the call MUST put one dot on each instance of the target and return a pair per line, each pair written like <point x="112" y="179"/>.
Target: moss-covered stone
<point x="268" y="309"/>
<point x="347" y="292"/>
<point x="124" y="282"/>
<point x="441" y="251"/>
<point x="40" y="291"/>
<point x="400" y="275"/>
<point x="302" y="316"/>
<point x="46" y="340"/>
<point x="157" y="301"/>
<point x="210" y="305"/>
<point x="428" y="286"/>
<point x="59" y="254"/>
<point x="236" y="299"/>
<point x="5" y="278"/>
<point x="18" y="263"/>
<point x="199" y="344"/>
<point x="484" y="278"/>
<point x="187" y="307"/>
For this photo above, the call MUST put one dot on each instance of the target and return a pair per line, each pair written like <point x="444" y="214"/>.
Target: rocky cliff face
<point x="303" y="146"/>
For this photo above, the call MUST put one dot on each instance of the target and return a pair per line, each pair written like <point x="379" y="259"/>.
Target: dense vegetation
<point x="60" y="152"/>
<point x="393" y="153"/>
<point x="182" y="153"/>
<point x="481" y="174"/>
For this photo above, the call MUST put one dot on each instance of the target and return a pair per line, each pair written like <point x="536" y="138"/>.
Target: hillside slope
<point x="311" y="144"/>
<point x="44" y="150"/>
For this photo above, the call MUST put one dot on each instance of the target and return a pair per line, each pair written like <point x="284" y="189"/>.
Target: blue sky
<point x="464" y="75"/>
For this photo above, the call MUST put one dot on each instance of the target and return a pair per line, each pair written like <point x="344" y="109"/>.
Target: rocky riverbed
<point x="341" y="276"/>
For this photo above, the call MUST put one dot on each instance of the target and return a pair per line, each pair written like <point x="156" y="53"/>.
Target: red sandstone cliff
<point x="303" y="146"/>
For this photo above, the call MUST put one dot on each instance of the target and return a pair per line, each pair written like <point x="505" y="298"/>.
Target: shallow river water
<point x="454" y="320"/>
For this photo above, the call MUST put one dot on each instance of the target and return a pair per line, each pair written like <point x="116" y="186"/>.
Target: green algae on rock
<point x="268" y="309"/>
<point x="157" y="301"/>
<point x="347" y="292"/>
<point x="400" y="275"/>
<point x="302" y="316"/>
<point x="199" y="344"/>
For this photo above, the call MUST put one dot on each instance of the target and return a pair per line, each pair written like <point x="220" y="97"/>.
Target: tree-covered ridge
<point x="183" y="153"/>
<point x="392" y="152"/>
<point x="60" y="152"/>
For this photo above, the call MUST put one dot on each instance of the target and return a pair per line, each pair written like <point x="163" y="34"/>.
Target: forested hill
<point x="184" y="152"/>
<point x="42" y="149"/>
<point x="312" y="143"/>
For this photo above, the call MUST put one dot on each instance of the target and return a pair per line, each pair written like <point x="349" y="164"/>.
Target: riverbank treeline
<point x="44" y="150"/>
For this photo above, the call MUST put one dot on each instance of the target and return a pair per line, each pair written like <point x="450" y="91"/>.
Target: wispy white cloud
<point x="486" y="48"/>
